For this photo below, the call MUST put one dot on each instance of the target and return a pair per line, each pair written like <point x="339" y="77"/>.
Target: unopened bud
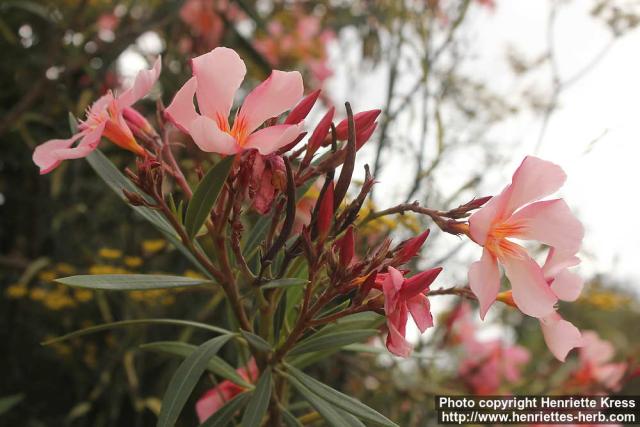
<point x="300" y="111"/>
<point x="346" y="247"/>
<point x="363" y="121"/>
<point x="325" y="213"/>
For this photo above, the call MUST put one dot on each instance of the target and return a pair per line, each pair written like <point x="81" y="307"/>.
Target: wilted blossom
<point x="268" y="179"/>
<point x="215" y="398"/>
<point x="596" y="367"/>
<point x="217" y="75"/>
<point x="105" y="118"/>
<point x="517" y="213"/>
<point x="401" y="297"/>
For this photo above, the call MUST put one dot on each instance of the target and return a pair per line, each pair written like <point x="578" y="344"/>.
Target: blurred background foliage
<point x="58" y="56"/>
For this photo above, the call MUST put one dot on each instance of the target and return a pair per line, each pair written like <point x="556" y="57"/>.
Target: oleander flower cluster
<point x="275" y="219"/>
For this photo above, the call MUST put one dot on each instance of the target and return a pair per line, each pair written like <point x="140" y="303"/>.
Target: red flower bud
<point x="409" y="248"/>
<point x="320" y="132"/>
<point x="325" y="213"/>
<point x="300" y="111"/>
<point x="346" y="247"/>
<point x="363" y="136"/>
<point x="363" y="121"/>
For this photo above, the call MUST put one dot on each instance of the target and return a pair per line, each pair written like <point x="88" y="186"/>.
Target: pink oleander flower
<point x="560" y="335"/>
<point x="105" y="118"/>
<point x="517" y="213"/>
<point x="596" y="368"/>
<point x="490" y="364"/>
<point x="217" y="75"/>
<point x="486" y="365"/>
<point x="216" y="397"/>
<point x="401" y="297"/>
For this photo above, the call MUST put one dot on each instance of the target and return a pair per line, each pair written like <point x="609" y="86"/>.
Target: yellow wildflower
<point x="16" y="291"/>
<point x="82" y="295"/>
<point x="37" y="294"/>
<point x="47" y="276"/>
<point x="154" y="245"/>
<point x="65" y="268"/>
<point x="132" y="261"/>
<point x="110" y="253"/>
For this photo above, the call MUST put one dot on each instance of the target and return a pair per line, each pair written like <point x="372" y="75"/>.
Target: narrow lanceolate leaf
<point x="130" y="282"/>
<point x="216" y="364"/>
<point x="124" y="323"/>
<point x="324" y="408"/>
<point x="206" y="195"/>
<point x="185" y="379"/>
<point x="341" y="400"/>
<point x="118" y="182"/>
<point x="259" y="402"/>
<point x="331" y="340"/>
<point x="8" y="402"/>
<point x="290" y="420"/>
<point x="223" y="416"/>
<point x="256" y="341"/>
<point x="285" y="283"/>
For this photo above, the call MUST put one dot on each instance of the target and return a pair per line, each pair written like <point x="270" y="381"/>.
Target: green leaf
<point x="285" y="283"/>
<point x="206" y="195"/>
<point x="350" y="419"/>
<point x="216" y="364"/>
<point x="256" y="341"/>
<point x="223" y="416"/>
<point x="259" y="402"/>
<point x="8" y="402"/>
<point x="365" y="320"/>
<point x="123" y="323"/>
<point x="73" y="123"/>
<point x="328" y="412"/>
<point x="130" y="282"/>
<point x="331" y="340"/>
<point x="341" y="400"/>
<point x="185" y="379"/>
<point x="257" y="234"/>
<point x="290" y="420"/>
<point x="118" y="182"/>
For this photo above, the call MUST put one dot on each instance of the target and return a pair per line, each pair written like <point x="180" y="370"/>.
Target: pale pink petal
<point x="390" y="286"/>
<point x="182" y="112"/>
<point x="596" y="350"/>
<point x="46" y="155"/>
<point x="557" y="261"/>
<point x="420" y="310"/>
<point x="482" y="220"/>
<point x="567" y="285"/>
<point x="531" y="293"/>
<point x="396" y="342"/>
<point x="141" y="86"/>
<point x="561" y="336"/>
<point x="484" y="280"/>
<point x="534" y="179"/>
<point x="277" y="94"/>
<point x="219" y="74"/>
<point x="49" y="155"/>
<point x="271" y="138"/>
<point x="550" y="222"/>
<point x="208" y="137"/>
